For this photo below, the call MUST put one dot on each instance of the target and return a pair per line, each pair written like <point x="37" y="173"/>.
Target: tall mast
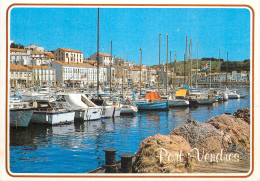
<point x="185" y="61"/>
<point x="98" y="52"/>
<point x="175" y="58"/>
<point x="219" y="68"/>
<point x="184" y="57"/>
<point x="159" y="63"/>
<point x="191" y="62"/>
<point x="167" y="68"/>
<point x="140" y="71"/>
<point x="227" y="71"/>
<point x="197" y="65"/>
<point x="123" y="77"/>
<point x="73" y="75"/>
<point x="170" y="64"/>
<point x="110" y="68"/>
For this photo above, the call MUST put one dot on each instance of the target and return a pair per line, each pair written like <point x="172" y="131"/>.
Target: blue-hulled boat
<point x="152" y="105"/>
<point x="153" y="102"/>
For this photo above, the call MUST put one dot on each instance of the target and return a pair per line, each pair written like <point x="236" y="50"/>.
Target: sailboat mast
<point x="159" y="63"/>
<point x="185" y="61"/>
<point x="167" y="69"/>
<point x="110" y="82"/>
<point x="175" y="58"/>
<point x="123" y="77"/>
<point x="170" y="64"/>
<point x="98" y="52"/>
<point x="140" y="71"/>
<point x="191" y="62"/>
<point x="227" y="71"/>
<point x="219" y="68"/>
<point x="197" y="65"/>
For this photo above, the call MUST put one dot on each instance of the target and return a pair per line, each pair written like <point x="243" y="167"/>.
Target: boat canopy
<point x="181" y="93"/>
<point x="153" y="96"/>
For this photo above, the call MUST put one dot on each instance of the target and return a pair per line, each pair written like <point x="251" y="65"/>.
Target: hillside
<point x="232" y="66"/>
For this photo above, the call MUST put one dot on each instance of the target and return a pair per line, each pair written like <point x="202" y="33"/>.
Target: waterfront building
<point x="70" y="73"/>
<point x="104" y="58"/>
<point x="42" y="75"/>
<point x="68" y="55"/>
<point x="19" y="56"/>
<point x="18" y="76"/>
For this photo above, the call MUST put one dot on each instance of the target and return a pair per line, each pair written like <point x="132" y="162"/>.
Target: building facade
<point x="68" y="55"/>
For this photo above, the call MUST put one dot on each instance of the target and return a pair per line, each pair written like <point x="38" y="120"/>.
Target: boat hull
<point x="117" y="111"/>
<point x="88" y="114"/>
<point x="20" y="117"/>
<point x="233" y="96"/>
<point x="178" y="103"/>
<point x="128" y="110"/>
<point x="152" y="106"/>
<point x="52" y="117"/>
<point x="205" y="101"/>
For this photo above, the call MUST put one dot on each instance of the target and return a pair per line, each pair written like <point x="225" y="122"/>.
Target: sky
<point x="130" y="29"/>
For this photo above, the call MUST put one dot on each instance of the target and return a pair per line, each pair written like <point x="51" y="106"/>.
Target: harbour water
<point x="78" y="147"/>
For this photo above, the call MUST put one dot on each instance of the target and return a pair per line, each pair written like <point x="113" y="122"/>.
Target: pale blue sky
<point x="227" y="29"/>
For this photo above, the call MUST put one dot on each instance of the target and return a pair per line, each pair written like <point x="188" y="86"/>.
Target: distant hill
<point x="232" y="65"/>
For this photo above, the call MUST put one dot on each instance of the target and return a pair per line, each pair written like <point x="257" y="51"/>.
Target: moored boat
<point x="50" y="113"/>
<point x="153" y="102"/>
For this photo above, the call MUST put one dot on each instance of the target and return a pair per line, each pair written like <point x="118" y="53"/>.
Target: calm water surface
<point x="78" y="147"/>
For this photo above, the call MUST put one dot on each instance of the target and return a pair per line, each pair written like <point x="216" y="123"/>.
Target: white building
<point x="19" y="56"/>
<point x="18" y="76"/>
<point x="81" y="73"/>
<point x="68" y="55"/>
<point x="104" y="58"/>
<point x="42" y="75"/>
<point x="39" y="58"/>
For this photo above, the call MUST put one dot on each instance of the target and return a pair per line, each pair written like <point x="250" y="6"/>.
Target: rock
<point x="148" y="160"/>
<point x="238" y="131"/>
<point x="244" y="114"/>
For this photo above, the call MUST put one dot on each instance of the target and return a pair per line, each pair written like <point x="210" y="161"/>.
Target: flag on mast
<point x="205" y="67"/>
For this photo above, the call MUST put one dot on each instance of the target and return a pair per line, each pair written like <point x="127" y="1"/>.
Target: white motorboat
<point x="85" y="108"/>
<point x="109" y="110"/>
<point x="128" y="109"/>
<point x="47" y="112"/>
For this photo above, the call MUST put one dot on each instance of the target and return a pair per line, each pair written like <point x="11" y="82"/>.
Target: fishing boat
<point x="153" y="102"/>
<point x="85" y="108"/>
<point x="47" y="112"/>
<point x="20" y="113"/>
<point x="179" y="99"/>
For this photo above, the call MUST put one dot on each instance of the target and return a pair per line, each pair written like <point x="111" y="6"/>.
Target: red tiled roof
<point x="74" y="64"/>
<point x="18" y="67"/>
<point x="70" y="50"/>
<point x="17" y="50"/>
<point x="39" y="67"/>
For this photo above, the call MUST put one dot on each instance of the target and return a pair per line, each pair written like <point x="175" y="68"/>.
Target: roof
<point x="70" y="50"/>
<point x="39" y="67"/>
<point x="74" y="64"/>
<point x="36" y="52"/>
<point x="105" y="54"/>
<point x="17" y="50"/>
<point x="51" y="55"/>
<point x="18" y="67"/>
